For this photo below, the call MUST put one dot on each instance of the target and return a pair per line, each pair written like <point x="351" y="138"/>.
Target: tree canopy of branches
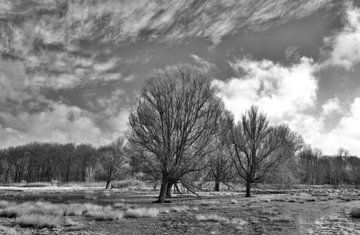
<point x="257" y="148"/>
<point x="174" y="121"/>
<point x="113" y="160"/>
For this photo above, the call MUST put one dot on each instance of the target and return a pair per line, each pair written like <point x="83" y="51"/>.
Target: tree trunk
<point x="217" y="186"/>
<point x="163" y="189"/>
<point x="248" y="188"/>
<point x="168" y="189"/>
<point x="107" y="184"/>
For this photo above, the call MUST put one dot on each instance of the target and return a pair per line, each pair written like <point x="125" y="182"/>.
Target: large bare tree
<point x="257" y="148"/>
<point x="174" y="121"/>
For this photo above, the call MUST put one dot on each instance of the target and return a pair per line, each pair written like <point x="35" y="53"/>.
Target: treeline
<point x="335" y="170"/>
<point x="48" y="161"/>
<point x="45" y="162"/>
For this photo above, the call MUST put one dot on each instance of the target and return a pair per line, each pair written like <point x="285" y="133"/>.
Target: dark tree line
<point x="45" y="162"/>
<point x="314" y="168"/>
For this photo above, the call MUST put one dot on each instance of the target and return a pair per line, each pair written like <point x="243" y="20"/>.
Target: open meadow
<point x="92" y="210"/>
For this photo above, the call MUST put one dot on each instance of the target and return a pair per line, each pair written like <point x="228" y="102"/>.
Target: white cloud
<point x="345" y="50"/>
<point x="346" y="134"/>
<point x="287" y="94"/>
<point x="331" y="106"/>
<point x="280" y="91"/>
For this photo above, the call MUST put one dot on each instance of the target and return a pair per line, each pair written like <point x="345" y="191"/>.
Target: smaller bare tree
<point x="257" y="148"/>
<point x="113" y="160"/>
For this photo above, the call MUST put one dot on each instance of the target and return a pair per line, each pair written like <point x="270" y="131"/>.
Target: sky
<point x="70" y="71"/>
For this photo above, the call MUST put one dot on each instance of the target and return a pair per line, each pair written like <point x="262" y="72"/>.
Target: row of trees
<point x="39" y="162"/>
<point x="180" y="132"/>
<point x="336" y="170"/>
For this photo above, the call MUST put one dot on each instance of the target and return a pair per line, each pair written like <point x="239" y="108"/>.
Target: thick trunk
<point x="248" y="188"/>
<point x="107" y="184"/>
<point x="163" y="189"/>
<point x="217" y="186"/>
<point x="168" y="189"/>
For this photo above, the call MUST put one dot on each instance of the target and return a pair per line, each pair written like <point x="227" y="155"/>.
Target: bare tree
<point x="221" y="167"/>
<point x="174" y="121"/>
<point x="309" y="165"/>
<point x="113" y="160"/>
<point x="258" y="148"/>
<point x="340" y="165"/>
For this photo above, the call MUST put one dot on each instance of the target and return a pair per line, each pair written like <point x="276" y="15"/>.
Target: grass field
<point x="93" y="210"/>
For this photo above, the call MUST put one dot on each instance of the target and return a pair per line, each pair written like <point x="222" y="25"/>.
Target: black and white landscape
<point x="179" y="117"/>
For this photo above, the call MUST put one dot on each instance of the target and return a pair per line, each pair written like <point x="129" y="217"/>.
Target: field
<point x="93" y="210"/>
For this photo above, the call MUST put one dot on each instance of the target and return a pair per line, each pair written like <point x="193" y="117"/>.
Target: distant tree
<point x="174" y="122"/>
<point x="257" y="148"/>
<point x="309" y="165"/>
<point x="341" y="166"/>
<point x="85" y="161"/>
<point x="113" y="160"/>
<point x="221" y="168"/>
<point x="325" y="168"/>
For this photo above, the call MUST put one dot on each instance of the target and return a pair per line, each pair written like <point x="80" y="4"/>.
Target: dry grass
<point x="40" y="221"/>
<point x="210" y="218"/>
<point x="74" y="209"/>
<point x="179" y="208"/>
<point x="8" y="231"/>
<point x="4" y="204"/>
<point x="49" y="209"/>
<point x="120" y="205"/>
<point x="104" y="213"/>
<point x="132" y="184"/>
<point x="142" y="212"/>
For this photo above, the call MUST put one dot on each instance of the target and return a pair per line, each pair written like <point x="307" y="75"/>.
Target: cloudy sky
<point x="70" y="70"/>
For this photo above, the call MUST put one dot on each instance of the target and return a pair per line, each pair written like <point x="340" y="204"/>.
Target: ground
<point x="306" y="210"/>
